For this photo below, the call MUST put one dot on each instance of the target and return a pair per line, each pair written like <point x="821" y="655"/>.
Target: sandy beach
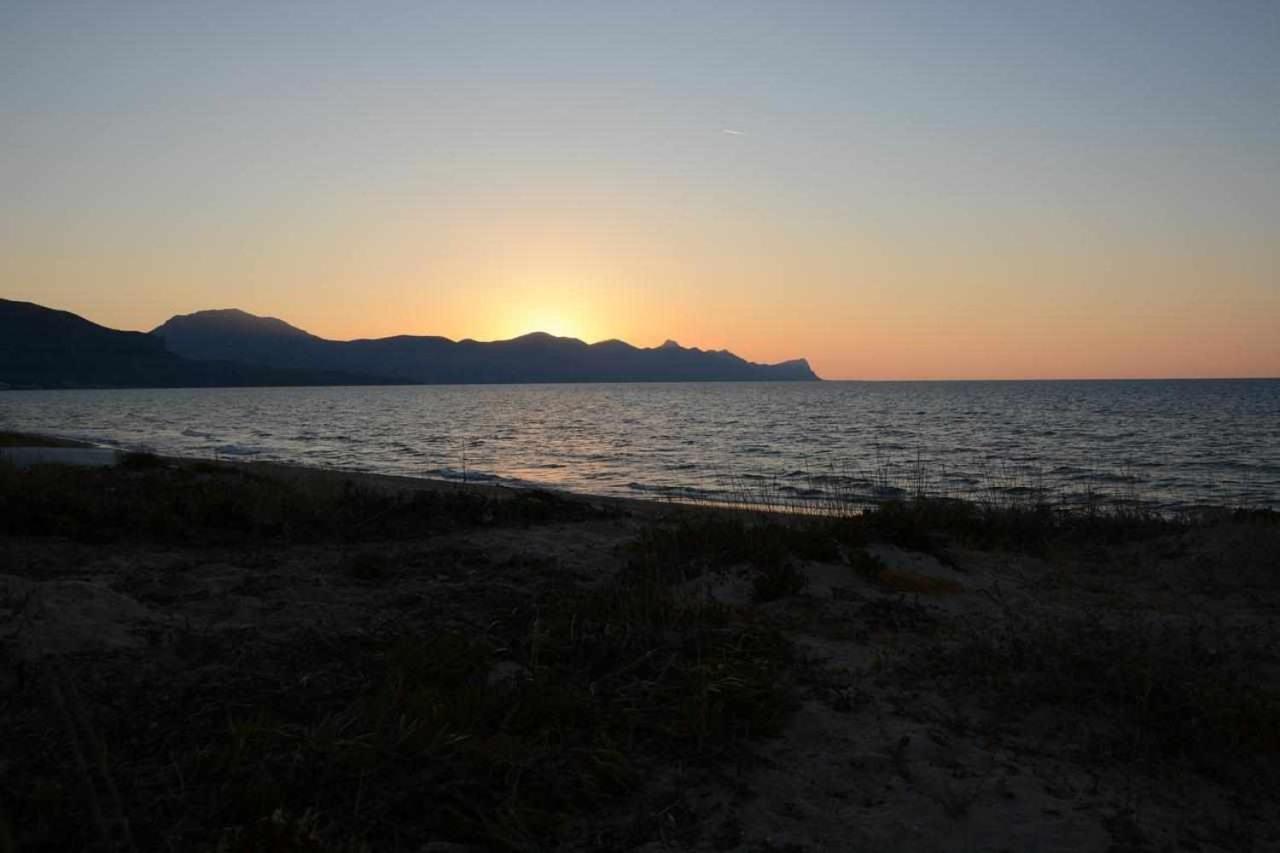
<point x="217" y="656"/>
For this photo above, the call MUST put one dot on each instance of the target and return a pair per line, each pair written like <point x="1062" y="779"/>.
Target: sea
<point x="1171" y="445"/>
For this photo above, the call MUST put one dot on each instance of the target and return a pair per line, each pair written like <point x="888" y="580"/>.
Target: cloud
<point x="732" y="132"/>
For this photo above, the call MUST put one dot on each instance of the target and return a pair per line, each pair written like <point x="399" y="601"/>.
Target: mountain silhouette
<point x="233" y="335"/>
<point x="45" y="348"/>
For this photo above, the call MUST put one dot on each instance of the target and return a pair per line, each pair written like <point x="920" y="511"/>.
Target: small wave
<point x="672" y="491"/>
<point x="1105" y="477"/>
<point x="833" y="479"/>
<point x="236" y="450"/>
<point x="809" y="493"/>
<point x="467" y="475"/>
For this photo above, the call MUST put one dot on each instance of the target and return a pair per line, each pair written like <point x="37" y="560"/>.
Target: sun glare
<point x="552" y="320"/>
<point x="555" y="324"/>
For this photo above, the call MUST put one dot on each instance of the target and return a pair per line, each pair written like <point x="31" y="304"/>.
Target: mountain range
<point x="43" y="348"/>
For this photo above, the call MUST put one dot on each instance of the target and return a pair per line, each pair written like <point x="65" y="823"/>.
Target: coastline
<point x="315" y="653"/>
<point x="40" y="441"/>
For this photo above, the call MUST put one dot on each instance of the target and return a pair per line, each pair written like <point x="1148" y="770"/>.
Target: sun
<point x="548" y="305"/>
<point x="550" y="321"/>
<point x="561" y="321"/>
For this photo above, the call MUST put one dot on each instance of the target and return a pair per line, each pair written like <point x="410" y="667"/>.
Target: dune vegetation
<point x="207" y="656"/>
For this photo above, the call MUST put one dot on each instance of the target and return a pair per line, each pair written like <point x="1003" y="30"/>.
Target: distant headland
<point x="45" y="348"/>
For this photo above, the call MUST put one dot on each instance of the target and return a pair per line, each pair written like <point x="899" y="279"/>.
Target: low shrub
<point x="1174" y="692"/>
<point x="779" y="580"/>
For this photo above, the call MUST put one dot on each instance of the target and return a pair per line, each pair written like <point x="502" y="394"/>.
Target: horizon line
<point x="585" y="342"/>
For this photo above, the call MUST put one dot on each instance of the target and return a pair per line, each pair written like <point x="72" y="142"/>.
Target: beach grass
<point x="149" y="499"/>
<point x="563" y="707"/>
<point x="503" y="741"/>
<point x="1144" y="691"/>
<point x="516" y="702"/>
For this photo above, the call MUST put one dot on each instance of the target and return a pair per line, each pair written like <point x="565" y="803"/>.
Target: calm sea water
<point x="1174" y="444"/>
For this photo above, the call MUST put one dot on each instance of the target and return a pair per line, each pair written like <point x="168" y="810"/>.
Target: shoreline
<point x="761" y="501"/>
<point x="300" y="470"/>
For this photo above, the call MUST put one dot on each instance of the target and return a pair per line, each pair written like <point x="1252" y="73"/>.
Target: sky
<point x="897" y="190"/>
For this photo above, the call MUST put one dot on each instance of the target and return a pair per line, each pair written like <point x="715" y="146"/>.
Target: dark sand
<point x="949" y="686"/>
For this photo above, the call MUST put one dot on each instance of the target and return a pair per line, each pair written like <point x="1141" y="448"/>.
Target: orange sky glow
<point x="889" y="192"/>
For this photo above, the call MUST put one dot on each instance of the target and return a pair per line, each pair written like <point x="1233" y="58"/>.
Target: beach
<point x="208" y="655"/>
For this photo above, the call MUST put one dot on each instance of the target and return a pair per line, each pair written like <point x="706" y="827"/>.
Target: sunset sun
<point x="552" y="322"/>
<point x="559" y="319"/>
